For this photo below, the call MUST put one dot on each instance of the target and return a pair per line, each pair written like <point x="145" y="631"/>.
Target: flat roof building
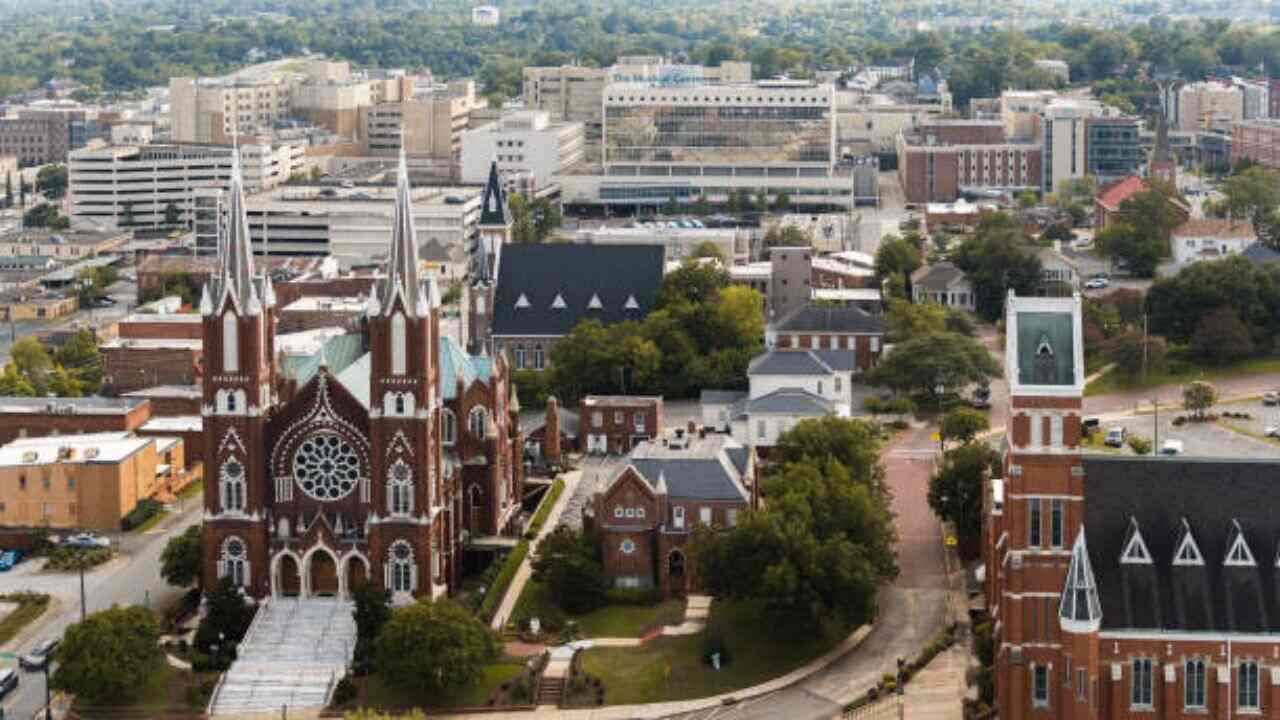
<point x="526" y="143"/>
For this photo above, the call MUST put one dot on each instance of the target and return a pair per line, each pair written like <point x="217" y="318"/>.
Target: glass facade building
<point x="1113" y="147"/>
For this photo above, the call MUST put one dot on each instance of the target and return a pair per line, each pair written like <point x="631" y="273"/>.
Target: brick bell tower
<point x="411" y="536"/>
<point x="238" y="308"/>
<point x="495" y="231"/>
<point x="1033" y="517"/>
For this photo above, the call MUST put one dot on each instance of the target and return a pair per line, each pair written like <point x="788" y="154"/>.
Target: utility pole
<point x="48" y="693"/>
<point x="83" y="604"/>
<point x="1144" y="347"/>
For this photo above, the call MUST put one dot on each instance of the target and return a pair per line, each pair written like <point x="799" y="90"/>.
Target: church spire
<point x="494" y="209"/>
<point x="235" y="259"/>
<point x="402" y="261"/>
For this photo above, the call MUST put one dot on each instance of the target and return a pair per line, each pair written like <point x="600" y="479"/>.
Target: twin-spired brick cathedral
<point x="379" y="472"/>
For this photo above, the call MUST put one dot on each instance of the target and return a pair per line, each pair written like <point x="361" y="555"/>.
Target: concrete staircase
<point x="292" y="656"/>
<point x="550" y="691"/>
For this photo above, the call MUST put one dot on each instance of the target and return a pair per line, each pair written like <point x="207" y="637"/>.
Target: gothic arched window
<point x="448" y="427"/>
<point x="477" y="421"/>
<point x="400" y="488"/>
<point x="231" y="485"/>
<point x="400" y="573"/>
<point x="230" y="343"/>
<point x="233" y="562"/>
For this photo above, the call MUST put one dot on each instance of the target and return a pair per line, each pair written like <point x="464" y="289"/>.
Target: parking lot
<point x="1207" y="439"/>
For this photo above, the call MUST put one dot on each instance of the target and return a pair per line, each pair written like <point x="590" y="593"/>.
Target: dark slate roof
<point x="721" y="397"/>
<point x="1260" y="254"/>
<point x="493" y="209"/>
<point x="816" y="318"/>
<point x="937" y="276"/>
<point x="576" y="273"/>
<point x="738" y="455"/>
<point x="1212" y="495"/>
<point x="534" y="420"/>
<point x="788" y="362"/>
<point x="838" y="360"/>
<point x="691" y="478"/>
<point x="788" y="400"/>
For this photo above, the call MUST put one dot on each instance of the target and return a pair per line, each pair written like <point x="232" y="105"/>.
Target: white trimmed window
<point x="400" y="489"/>
<point x="401" y="576"/>
<point x="477" y="421"/>
<point x="231" y="485"/>
<point x="233" y="561"/>
<point x="1247" y="686"/>
<point x="1057" y="509"/>
<point x="1140" y="696"/>
<point x="448" y="427"/>
<point x="1033" y="522"/>
<point x="1193" y="685"/>
<point x="1040" y="686"/>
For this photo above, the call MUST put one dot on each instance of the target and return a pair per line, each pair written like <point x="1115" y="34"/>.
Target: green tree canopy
<point x="955" y="491"/>
<point x="568" y="563"/>
<point x="962" y="424"/>
<point x="102" y="658"/>
<point x="431" y="648"/>
<point x="997" y="258"/>
<point x="181" y="560"/>
<point x="1198" y="396"/>
<point x="938" y="359"/>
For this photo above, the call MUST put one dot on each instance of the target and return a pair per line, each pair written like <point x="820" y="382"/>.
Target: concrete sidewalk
<point x="525" y="571"/>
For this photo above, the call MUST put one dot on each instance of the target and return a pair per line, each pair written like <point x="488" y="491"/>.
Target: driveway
<point x="912" y="609"/>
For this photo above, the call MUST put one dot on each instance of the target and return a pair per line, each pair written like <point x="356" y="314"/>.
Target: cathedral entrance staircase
<point x="293" y="655"/>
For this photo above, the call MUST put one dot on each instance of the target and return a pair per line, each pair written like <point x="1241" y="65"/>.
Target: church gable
<point x="629" y="498"/>
<point x="318" y="444"/>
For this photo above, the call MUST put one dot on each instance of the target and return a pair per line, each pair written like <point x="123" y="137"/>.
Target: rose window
<point x="326" y="467"/>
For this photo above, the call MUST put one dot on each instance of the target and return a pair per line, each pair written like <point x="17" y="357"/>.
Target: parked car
<point x="1171" y="447"/>
<point x="1116" y="436"/>
<point x="87" y="540"/>
<point x="40" y="655"/>
<point x="1272" y="431"/>
<point x="10" y="558"/>
<point x="8" y="682"/>
<point x="1097" y="284"/>
<point x="1271" y="398"/>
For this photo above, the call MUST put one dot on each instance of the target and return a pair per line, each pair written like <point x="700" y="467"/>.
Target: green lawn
<point x="192" y="490"/>
<point x="1116" y="381"/>
<point x="672" y="668"/>
<point x="374" y="693"/>
<point x="150" y="522"/>
<point x="30" y="606"/>
<point x="612" y="621"/>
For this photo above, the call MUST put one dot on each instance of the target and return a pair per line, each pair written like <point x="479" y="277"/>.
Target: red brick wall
<point x="619" y="433"/>
<point x="964" y="134"/>
<point x="12" y="426"/>
<point x="126" y="369"/>
<point x="288" y="292"/>
<point x="174" y="406"/>
<point x="159" y="330"/>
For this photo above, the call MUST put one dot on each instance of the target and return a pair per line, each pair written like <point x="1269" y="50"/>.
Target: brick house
<point x="1121" y="586"/>
<point x="647" y="513"/>
<point x="35" y="417"/>
<point x="831" y="328"/>
<point x="615" y="424"/>
<point x="1108" y="205"/>
<point x="1210" y="239"/>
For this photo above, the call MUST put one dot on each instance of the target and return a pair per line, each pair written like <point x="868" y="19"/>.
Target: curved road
<point x="912" y="609"/>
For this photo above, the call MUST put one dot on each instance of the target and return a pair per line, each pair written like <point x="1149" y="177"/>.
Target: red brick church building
<point x="378" y="472"/>
<point x="1122" y="586"/>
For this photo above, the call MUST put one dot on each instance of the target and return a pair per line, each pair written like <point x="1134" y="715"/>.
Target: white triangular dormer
<point x="1188" y="552"/>
<point x="559" y="303"/>
<point x="522" y="301"/>
<point x="631" y="303"/>
<point x="1135" y="552"/>
<point x="1239" y="555"/>
<point x="595" y="303"/>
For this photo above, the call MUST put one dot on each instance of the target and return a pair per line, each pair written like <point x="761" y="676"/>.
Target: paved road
<point x="124" y="293"/>
<point x="1171" y="395"/>
<point x="912" y="609"/>
<point x="132" y="579"/>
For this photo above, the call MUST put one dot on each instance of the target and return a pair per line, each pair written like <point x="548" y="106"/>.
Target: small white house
<point x="485" y="15"/>
<point x="1210" y="239"/>
<point x="944" y="284"/>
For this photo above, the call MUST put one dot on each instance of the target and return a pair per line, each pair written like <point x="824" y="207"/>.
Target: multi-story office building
<point x="576" y="94"/>
<point x="1199" y="105"/>
<point x="215" y="110"/>
<point x="1063" y="130"/>
<point x="429" y="122"/>
<point x="36" y="137"/>
<point x="128" y="185"/>
<point x="1113" y="147"/>
<point x="665" y="143"/>
<point x="526" y="143"/>
<point x="353" y="224"/>
<point x="941" y="161"/>
<point x="1257" y="140"/>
